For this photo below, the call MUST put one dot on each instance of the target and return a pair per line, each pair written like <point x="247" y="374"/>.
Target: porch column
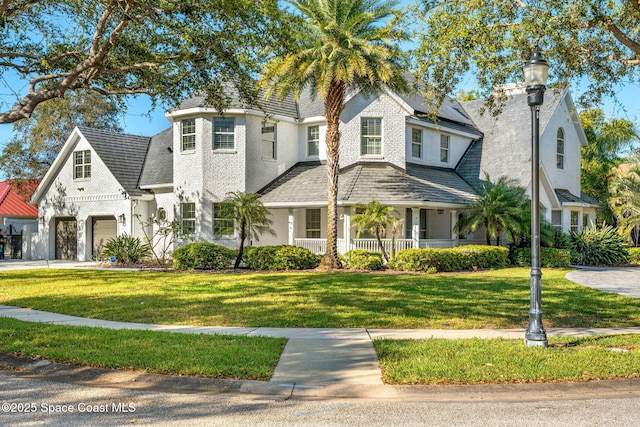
<point x="346" y="229"/>
<point x="415" y="227"/>
<point x="291" y="227"/>
<point x="454" y="234"/>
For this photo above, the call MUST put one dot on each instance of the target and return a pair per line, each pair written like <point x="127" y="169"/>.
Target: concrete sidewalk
<point x="315" y="357"/>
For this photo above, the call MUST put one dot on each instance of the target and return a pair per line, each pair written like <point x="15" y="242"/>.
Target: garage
<point x="66" y="238"/>
<point x="103" y="229"/>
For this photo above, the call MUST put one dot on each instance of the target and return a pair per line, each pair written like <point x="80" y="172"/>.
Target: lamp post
<point x="535" y="74"/>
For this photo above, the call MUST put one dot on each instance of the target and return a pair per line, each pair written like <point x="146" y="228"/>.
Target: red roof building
<point x="13" y="205"/>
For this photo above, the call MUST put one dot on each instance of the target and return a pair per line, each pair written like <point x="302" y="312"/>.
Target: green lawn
<point x="216" y="356"/>
<point x="474" y="361"/>
<point x="491" y="299"/>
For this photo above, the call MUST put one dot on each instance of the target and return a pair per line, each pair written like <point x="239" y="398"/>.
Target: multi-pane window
<point x="188" y="134"/>
<point x="223" y="224"/>
<point x="574" y="220"/>
<point x="556" y="219"/>
<point x="416" y="143"/>
<point x="585" y="221"/>
<point x="313" y="140"/>
<point x="82" y="164"/>
<point x="269" y="144"/>
<point x="444" y="148"/>
<point x="560" y="149"/>
<point x="188" y="217"/>
<point x="313" y="223"/>
<point x="224" y="134"/>
<point x="371" y="131"/>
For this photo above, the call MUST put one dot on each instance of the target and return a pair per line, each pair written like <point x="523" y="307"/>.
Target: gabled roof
<point x="13" y="205"/>
<point x="158" y="165"/>
<point x="506" y="145"/>
<point x="122" y="153"/>
<point x="363" y="182"/>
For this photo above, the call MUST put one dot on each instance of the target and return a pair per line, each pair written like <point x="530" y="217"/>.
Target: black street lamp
<point x="535" y="76"/>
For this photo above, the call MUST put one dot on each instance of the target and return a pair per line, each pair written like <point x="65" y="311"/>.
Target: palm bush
<point x="127" y="250"/>
<point x="602" y="246"/>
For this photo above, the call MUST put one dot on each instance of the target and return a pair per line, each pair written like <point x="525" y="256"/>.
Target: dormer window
<point x="82" y="164"/>
<point x="560" y="149"/>
<point x="269" y="144"/>
<point x="313" y="141"/>
<point x="416" y="143"/>
<point x="371" y="133"/>
<point x="188" y="134"/>
<point x="444" y="148"/>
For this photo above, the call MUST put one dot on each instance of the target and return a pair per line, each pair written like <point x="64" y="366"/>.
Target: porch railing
<point x="317" y="246"/>
<point x="372" y="244"/>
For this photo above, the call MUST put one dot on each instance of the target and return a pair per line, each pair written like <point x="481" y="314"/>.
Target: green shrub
<point x="359" y="259"/>
<point x="128" y="250"/>
<point x="549" y="257"/>
<point x="282" y="257"/>
<point x="471" y="257"/>
<point x="203" y="256"/>
<point x="634" y="256"/>
<point x="603" y="246"/>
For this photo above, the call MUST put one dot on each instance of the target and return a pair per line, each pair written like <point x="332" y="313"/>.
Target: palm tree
<point x="374" y="217"/>
<point x="251" y="218"/>
<point x="340" y="45"/>
<point x="501" y="207"/>
<point x="625" y="199"/>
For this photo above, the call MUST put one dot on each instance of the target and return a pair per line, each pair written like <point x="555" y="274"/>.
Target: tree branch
<point x="622" y="37"/>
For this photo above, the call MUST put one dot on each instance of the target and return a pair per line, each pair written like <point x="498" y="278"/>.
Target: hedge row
<point x="203" y="256"/>
<point x="432" y="260"/>
<point x="359" y="259"/>
<point x="634" y="256"/>
<point x="280" y="258"/>
<point x="549" y="257"/>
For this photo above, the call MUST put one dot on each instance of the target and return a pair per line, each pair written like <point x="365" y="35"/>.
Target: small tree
<point x="163" y="235"/>
<point x="501" y="207"/>
<point x="251" y="218"/>
<point x="374" y="217"/>
<point x="625" y="199"/>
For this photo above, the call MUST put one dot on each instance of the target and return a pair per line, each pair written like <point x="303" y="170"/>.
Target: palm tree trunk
<point x="382" y="249"/>
<point x="333" y="106"/>
<point x="243" y="236"/>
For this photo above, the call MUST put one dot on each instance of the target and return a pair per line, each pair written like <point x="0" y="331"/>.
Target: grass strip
<point x="488" y="299"/>
<point x="213" y="356"/>
<point x="476" y="361"/>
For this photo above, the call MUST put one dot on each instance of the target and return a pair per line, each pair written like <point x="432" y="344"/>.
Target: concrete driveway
<point x="621" y="280"/>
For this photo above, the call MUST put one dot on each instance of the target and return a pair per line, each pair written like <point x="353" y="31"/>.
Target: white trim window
<point x="574" y="226"/>
<point x="269" y="143"/>
<point x="313" y="141"/>
<point x="556" y="219"/>
<point x="445" y="141"/>
<point x="82" y="164"/>
<point x="223" y="223"/>
<point x="224" y="133"/>
<point x="585" y="221"/>
<point x="560" y="149"/>
<point x="416" y="143"/>
<point x="312" y="224"/>
<point x="188" y="134"/>
<point x="188" y="217"/>
<point x="371" y="134"/>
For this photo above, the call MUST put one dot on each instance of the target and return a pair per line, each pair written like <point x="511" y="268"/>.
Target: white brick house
<point x="390" y="151"/>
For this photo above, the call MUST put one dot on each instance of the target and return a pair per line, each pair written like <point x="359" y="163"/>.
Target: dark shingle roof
<point x="286" y="108"/>
<point x="158" y="164"/>
<point x="565" y="196"/>
<point x="122" y="153"/>
<point x="362" y="183"/>
<point x="506" y="146"/>
<point x="469" y="165"/>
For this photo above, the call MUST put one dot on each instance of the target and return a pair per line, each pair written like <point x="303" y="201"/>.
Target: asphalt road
<point x="33" y="402"/>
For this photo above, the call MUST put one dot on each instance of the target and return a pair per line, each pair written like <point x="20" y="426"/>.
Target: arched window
<point x="560" y="149"/>
<point x="161" y="214"/>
